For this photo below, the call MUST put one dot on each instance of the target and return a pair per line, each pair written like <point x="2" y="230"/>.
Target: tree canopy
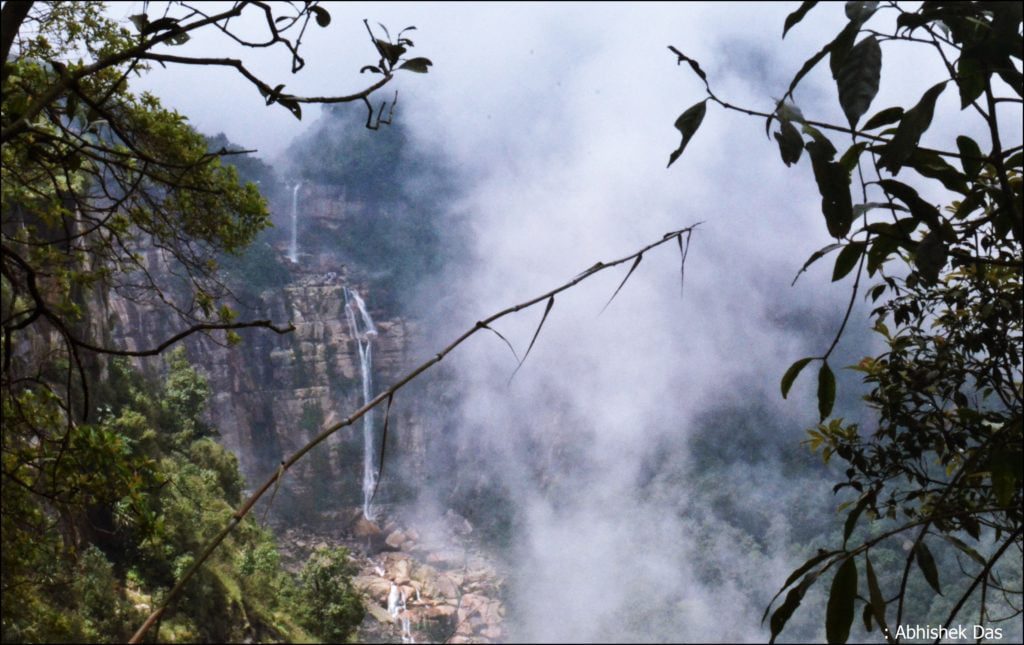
<point x="107" y="196"/>
<point x="942" y="463"/>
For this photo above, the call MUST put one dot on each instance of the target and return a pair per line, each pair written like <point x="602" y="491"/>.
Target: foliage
<point x="112" y="202"/>
<point x="331" y="607"/>
<point x="944" y="462"/>
<point x="122" y="540"/>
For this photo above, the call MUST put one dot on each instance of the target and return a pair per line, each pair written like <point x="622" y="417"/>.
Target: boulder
<point x="373" y="587"/>
<point x="445" y="586"/>
<point x="364" y="528"/>
<point x="400" y="572"/>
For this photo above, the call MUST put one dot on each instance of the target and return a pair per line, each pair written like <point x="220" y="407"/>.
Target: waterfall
<point x="393" y="598"/>
<point x="293" y="246"/>
<point x="363" y="338"/>
<point x="406" y="629"/>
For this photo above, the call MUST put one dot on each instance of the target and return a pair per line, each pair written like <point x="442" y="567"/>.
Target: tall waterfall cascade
<point x="293" y="245"/>
<point x="361" y="326"/>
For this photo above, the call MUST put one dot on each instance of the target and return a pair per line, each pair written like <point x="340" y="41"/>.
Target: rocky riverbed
<point x="443" y="588"/>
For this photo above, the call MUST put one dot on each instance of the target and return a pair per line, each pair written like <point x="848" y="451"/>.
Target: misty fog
<point x="643" y="476"/>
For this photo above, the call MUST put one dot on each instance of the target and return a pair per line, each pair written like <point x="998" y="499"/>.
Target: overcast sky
<point x="559" y="119"/>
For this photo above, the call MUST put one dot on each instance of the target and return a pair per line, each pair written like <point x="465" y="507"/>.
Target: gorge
<point x="614" y="463"/>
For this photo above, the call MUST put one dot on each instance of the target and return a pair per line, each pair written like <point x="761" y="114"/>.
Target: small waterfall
<point x="293" y="245"/>
<point x="393" y="599"/>
<point x="363" y="338"/>
<point x="406" y="629"/>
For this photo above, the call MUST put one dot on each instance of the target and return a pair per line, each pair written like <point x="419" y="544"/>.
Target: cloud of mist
<point x="565" y="141"/>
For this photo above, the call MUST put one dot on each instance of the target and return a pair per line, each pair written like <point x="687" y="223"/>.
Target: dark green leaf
<point x="390" y="53"/>
<point x="1015" y="160"/>
<point x="914" y="123"/>
<point x="840" y="612"/>
<point x="927" y="564"/>
<point x="971" y="525"/>
<point x="970" y="79"/>
<point x="919" y="208"/>
<point x="418" y="65"/>
<point x="781" y="615"/>
<point x="792" y="373"/>
<point x="804" y="568"/>
<point x="694" y="65"/>
<point x="877" y="603"/>
<point x="851" y="157"/>
<point x="370" y="68"/>
<point x="140" y="20"/>
<point x="826" y="390"/>
<point x="847" y="259"/>
<point x="970" y="156"/>
<point x="885" y="117"/>
<point x="858" y="79"/>
<point x="798" y="15"/>
<point x="834" y="185"/>
<point x="876" y="292"/>
<point x="791" y="144"/>
<point x="1011" y="77"/>
<point x="860" y="10"/>
<point x="882" y="247"/>
<point x="1005" y="468"/>
<point x="973" y="202"/>
<point x="687" y="124"/>
<point x="293" y="107"/>
<point x="866" y="616"/>
<point x="821" y="147"/>
<point x="817" y="255"/>
<point x="841" y="47"/>
<point x="808" y="65"/>
<point x="971" y="553"/>
<point x="930" y="164"/>
<point x="159" y="25"/>
<point x="323" y="17"/>
<point x="786" y="609"/>
<point x="931" y="256"/>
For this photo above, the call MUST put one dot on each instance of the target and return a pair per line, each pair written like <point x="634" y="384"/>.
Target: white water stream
<point x="293" y="245"/>
<point x="355" y="312"/>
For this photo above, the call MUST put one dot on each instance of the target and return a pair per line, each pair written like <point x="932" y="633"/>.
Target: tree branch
<point x="14" y="13"/>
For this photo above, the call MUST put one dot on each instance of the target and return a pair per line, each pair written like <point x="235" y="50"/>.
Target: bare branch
<point x="385" y="395"/>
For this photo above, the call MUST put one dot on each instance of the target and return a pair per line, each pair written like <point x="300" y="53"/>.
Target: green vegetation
<point x="132" y="498"/>
<point x="166" y="488"/>
<point x="331" y="608"/>
<point x="941" y="468"/>
<point x="113" y="203"/>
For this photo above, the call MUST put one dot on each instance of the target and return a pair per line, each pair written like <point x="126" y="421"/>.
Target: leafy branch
<point x="947" y="389"/>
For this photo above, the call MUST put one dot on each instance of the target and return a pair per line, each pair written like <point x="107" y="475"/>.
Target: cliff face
<point x="273" y="392"/>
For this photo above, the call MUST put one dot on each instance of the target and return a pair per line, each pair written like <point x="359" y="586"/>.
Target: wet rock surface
<point x="453" y="592"/>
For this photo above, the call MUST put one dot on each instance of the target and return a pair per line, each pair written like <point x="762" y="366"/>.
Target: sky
<point x="558" y="118"/>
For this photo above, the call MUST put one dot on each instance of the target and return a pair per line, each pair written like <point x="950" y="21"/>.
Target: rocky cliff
<point x="271" y="393"/>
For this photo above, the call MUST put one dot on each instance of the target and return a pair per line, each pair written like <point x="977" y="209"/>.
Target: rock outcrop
<point x="450" y="590"/>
